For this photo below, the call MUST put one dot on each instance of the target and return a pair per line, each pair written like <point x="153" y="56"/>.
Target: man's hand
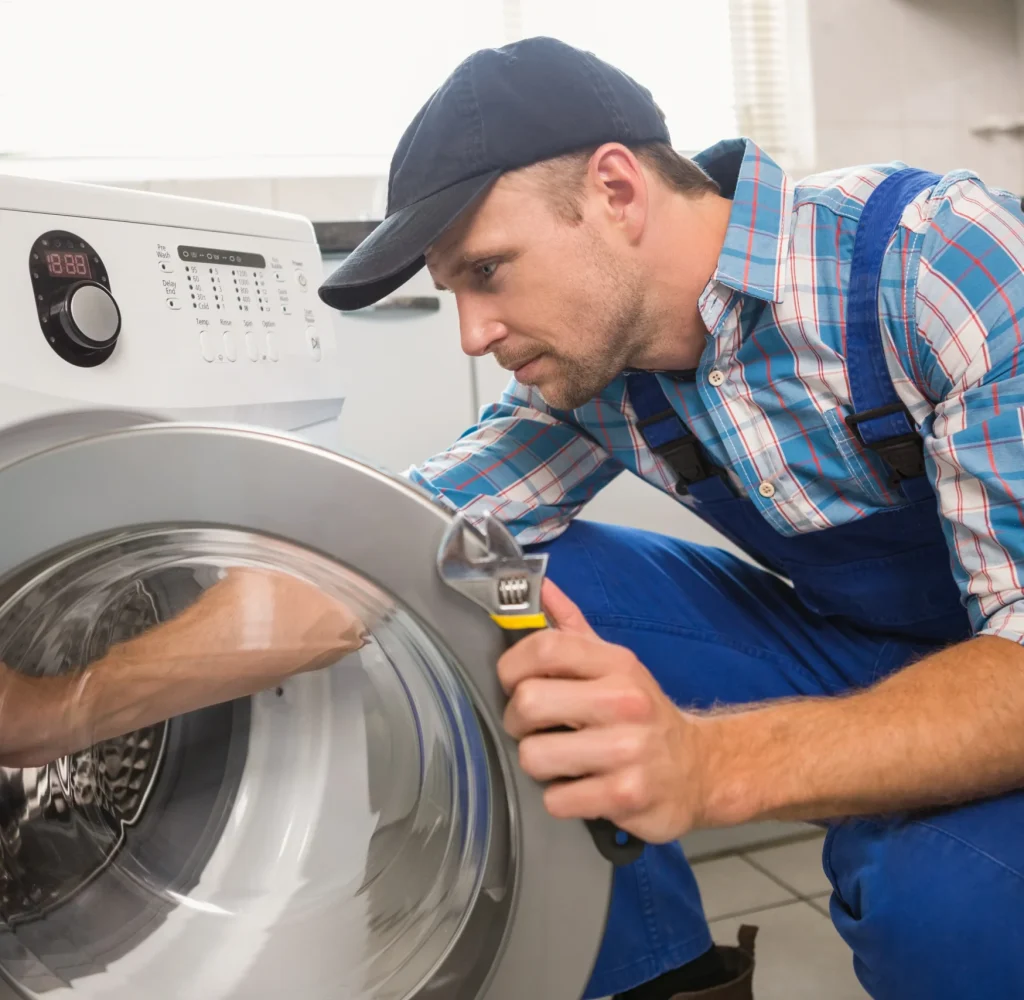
<point x="942" y="731"/>
<point x="635" y="758"/>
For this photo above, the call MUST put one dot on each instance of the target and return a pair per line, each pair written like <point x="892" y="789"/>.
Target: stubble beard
<point x="625" y="329"/>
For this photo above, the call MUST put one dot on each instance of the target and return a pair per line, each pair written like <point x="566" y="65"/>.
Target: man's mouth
<point x="521" y="369"/>
<point x="523" y="372"/>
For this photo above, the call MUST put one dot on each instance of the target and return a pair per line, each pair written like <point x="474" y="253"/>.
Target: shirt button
<point x="715" y="377"/>
<point x="767" y="490"/>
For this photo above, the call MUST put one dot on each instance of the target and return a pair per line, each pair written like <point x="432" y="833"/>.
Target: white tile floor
<point x="783" y="891"/>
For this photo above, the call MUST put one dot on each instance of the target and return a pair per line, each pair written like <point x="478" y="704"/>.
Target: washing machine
<point x="170" y="392"/>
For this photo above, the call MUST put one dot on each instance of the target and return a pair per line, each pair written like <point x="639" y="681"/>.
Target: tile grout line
<point x="783" y="885"/>
<point x="814" y="903"/>
<point x="766" y="845"/>
<point x="758" y="909"/>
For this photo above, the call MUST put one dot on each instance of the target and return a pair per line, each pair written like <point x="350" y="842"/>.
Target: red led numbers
<point x="68" y="265"/>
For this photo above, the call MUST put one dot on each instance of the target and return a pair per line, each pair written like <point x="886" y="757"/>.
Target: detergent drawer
<point x="355" y="831"/>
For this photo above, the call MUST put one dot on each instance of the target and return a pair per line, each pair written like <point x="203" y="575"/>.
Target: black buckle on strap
<point x="903" y="453"/>
<point x="685" y="454"/>
<point x="657" y="418"/>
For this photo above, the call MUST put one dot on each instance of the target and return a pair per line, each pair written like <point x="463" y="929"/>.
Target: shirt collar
<point x="757" y="240"/>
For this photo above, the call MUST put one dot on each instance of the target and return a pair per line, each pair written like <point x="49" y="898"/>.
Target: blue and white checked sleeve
<point x="969" y="359"/>
<point x="529" y="465"/>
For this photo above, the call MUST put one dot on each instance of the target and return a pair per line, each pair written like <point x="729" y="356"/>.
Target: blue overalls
<point x="932" y="903"/>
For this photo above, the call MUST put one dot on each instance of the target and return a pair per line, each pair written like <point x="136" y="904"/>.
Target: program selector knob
<point x="88" y="315"/>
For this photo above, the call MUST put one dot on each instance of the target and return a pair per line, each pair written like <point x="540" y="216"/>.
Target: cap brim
<point x="394" y="251"/>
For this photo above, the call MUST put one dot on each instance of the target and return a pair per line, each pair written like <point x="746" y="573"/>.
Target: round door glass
<point x="233" y="768"/>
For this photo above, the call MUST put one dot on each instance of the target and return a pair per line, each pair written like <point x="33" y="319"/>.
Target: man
<point x="831" y="374"/>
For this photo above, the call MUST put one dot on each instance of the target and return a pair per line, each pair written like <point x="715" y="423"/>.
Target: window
<point x="122" y="88"/>
<point x="772" y="74"/>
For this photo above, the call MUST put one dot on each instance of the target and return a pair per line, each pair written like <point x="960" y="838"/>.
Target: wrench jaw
<point x="490" y="568"/>
<point x="500" y="541"/>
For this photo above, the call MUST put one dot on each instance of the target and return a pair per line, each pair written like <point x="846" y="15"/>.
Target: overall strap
<point x="668" y="437"/>
<point x="879" y="419"/>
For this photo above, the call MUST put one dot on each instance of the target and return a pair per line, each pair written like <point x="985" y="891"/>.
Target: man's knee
<point x="929" y="916"/>
<point x="611" y="570"/>
<point x="680" y="607"/>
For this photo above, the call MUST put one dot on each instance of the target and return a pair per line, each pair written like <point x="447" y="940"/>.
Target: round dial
<point x="87" y="314"/>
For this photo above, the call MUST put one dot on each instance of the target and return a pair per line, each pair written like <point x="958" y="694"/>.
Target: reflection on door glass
<point x="165" y="834"/>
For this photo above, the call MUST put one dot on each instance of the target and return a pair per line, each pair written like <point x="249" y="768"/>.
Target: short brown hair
<point x="562" y="177"/>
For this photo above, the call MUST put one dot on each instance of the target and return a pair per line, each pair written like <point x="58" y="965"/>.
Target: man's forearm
<point x="947" y="729"/>
<point x="42" y="718"/>
<point x="246" y="633"/>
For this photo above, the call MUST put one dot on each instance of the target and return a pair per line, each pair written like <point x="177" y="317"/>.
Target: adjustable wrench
<point x="493" y="571"/>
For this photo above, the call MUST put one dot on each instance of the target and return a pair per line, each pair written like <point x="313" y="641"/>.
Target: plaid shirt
<point x="952" y="308"/>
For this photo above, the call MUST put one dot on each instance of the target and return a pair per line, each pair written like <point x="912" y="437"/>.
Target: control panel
<point x="190" y="308"/>
<point x="242" y="302"/>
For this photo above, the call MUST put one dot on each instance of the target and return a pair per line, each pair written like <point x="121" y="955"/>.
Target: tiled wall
<point x="910" y="79"/>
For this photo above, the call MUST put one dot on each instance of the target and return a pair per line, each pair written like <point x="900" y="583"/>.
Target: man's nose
<point x="479" y="328"/>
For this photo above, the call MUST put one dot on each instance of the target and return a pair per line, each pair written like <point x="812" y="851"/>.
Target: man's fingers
<point x="616" y="796"/>
<point x="552" y="653"/>
<point x="539" y="704"/>
<point x="562" y="612"/>
<point x="554" y="756"/>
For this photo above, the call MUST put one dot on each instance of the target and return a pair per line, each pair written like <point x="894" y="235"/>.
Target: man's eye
<point x="488" y="270"/>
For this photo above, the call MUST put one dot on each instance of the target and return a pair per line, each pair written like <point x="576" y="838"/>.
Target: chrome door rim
<point x="385" y="529"/>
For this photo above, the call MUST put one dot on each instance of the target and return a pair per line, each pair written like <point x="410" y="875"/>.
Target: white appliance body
<point x="220" y="317"/>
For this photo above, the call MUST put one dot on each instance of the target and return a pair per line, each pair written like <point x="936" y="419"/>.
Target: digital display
<point x="66" y="264"/>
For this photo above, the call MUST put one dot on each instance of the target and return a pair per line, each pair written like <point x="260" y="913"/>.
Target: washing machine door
<point x="359" y="830"/>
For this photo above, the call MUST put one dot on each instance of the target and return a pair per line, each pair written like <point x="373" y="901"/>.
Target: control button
<point x="313" y="342"/>
<point x="173" y="304"/>
<point x="166" y="266"/>
<point x="90" y="316"/>
<point x="715" y="377"/>
<point x="279" y="276"/>
<point x="252" y="346"/>
<point x="767" y="490"/>
<point x="229" y="346"/>
<point x="301" y="279"/>
<point x="287" y="310"/>
<point x="208" y="342"/>
<point x="271" y="348"/>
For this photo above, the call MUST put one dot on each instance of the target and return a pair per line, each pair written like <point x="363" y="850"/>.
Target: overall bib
<point x="889" y="572"/>
<point x="932" y="904"/>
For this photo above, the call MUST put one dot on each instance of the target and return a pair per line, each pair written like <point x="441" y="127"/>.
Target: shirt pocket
<point x="866" y="469"/>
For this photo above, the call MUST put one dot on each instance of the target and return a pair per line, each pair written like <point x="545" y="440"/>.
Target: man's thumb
<point x="562" y="613"/>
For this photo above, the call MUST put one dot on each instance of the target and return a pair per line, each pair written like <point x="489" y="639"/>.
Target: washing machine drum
<point x="357" y="831"/>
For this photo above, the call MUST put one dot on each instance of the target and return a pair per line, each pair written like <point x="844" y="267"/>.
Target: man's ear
<point x="615" y="177"/>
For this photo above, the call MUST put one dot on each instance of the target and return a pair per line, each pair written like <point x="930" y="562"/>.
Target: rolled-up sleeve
<point x="969" y="359"/>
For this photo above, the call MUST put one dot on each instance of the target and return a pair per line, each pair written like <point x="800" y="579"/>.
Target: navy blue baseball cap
<point x="500" y="110"/>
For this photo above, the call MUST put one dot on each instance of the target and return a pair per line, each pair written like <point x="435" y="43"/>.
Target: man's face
<point x="558" y="303"/>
